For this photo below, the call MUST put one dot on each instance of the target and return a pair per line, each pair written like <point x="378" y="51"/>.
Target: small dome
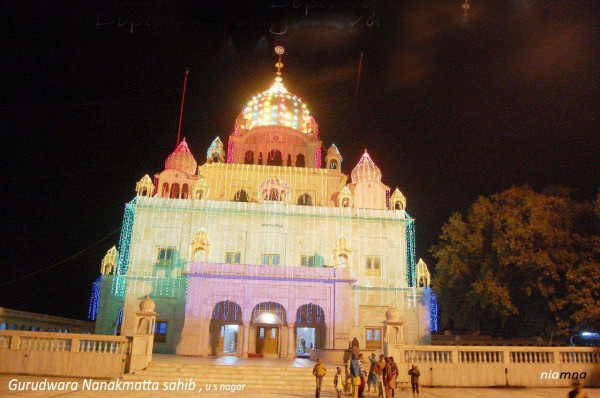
<point x="181" y="159"/>
<point x="147" y="305"/>
<point x="392" y="314"/>
<point x="366" y="170"/>
<point x="333" y="150"/>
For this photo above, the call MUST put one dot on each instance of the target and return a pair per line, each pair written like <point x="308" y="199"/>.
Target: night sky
<point x="449" y="108"/>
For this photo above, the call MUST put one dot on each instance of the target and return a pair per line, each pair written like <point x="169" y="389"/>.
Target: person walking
<point x="395" y="372"/>
<point x="353" y="368"/>
<point x="577" y="391"/>
<point x="363" y="376"/>
<point x="414" y="374"/>
<point x="372" y="378"/>
<point x="319" y="371"/>
<point x="338" y="382"/>
<point x="389" y="378"/>
<point x="379" y="368"/>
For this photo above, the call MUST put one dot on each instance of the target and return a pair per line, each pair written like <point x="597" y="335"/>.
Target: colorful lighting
<point x="411" y="262"/>
<point x="291" y="112"/>
<point x="95" y="298"/>
<point x="432" y="304"/>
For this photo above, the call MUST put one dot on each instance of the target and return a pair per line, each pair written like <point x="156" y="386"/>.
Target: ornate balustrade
<point x="469" y="366"/>
<point x="77" y="355"/>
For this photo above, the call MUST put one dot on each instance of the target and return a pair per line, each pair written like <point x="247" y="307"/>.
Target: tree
<point x="521" y="263"/>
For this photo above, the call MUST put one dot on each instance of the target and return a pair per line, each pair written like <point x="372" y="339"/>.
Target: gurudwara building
<point x="267" y="247"/>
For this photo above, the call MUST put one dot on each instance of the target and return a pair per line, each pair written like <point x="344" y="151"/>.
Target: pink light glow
<point x="318" y="158"/>
<point x="230" y="146"/>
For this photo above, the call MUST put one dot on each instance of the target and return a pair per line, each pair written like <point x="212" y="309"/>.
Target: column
<point x="246" y="332"/>
<point x="291" y="354"/>
<point x="205" y="333"/>
<point x="251" y="339"/>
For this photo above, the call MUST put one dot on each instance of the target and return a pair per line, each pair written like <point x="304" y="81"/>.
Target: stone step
<point x="252" y="377"/>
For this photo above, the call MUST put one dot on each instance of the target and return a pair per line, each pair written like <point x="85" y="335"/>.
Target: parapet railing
<point x="41" y="341"/>
<point x="501" y="355"/>
<point x="61" y="354"/>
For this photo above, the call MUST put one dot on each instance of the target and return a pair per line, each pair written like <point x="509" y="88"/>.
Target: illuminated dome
<point x="366" y="170"/>
<point x="181" y="159"/>
<point x="278" y="107"/>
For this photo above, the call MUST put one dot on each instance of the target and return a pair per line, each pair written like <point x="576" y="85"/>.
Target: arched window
<point x="199" y="194"/>
<point x="333" y="164"/>
<point x="289" y="160"/>
<point x="305" y="200"/>
<point x="346" y="202"/>
<point x="342" y="261"/>
<point x="13" y="327"/>
<point x="200" y="255"/>
<point x="175" y="191"/>
<point x="241" y="196"/>
<point x="300" y="160"/>
<point x="3" y="326"/>
<point x="185" y="191"/>
<point x="144" y="192"/>
<point x="165" y="190"/>
<point x="260" y="158"/>
<point x="274" y="158"/>
<point x="273" y="194"/>
<point x="249" y="157"/>
<point x="265" y="194"/>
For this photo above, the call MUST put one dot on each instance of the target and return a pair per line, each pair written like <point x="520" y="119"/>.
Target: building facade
<point x="267" y="248"/>
<point x="34" y="322"/>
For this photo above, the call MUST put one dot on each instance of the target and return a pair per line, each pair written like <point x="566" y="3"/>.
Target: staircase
<point x="230" y="378"/>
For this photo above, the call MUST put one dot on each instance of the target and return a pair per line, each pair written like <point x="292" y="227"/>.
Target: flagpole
<point x="181" y="110"/>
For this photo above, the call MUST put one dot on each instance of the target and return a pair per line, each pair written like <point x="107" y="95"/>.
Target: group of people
<point x="381" y="376"/>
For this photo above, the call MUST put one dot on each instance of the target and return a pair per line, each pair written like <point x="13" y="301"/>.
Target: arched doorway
<point x="310" y="329"/>
<point x="274" y="158"/>
<point x="267" y="319"/>
<point x="224" y="327"/>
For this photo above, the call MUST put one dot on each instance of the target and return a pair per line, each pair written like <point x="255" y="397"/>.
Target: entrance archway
<point x="310" y="328"/>
<point x="267" y="319"/>
<point x="224" y="327"/>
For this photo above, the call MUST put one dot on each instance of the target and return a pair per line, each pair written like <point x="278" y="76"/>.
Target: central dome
<point x="278" y="107"/>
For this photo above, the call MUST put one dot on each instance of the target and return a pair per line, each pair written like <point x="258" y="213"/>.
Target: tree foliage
<point x="521" y="263"/>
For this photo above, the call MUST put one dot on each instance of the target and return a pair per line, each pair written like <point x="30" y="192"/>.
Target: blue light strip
<point x="94" y="299"/>
<point x="119" y="283"/>
<point x="411" y="263"/>
<point x="432" y="304"/>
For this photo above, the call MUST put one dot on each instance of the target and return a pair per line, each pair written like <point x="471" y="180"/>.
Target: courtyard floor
<point x="5" y="391"/>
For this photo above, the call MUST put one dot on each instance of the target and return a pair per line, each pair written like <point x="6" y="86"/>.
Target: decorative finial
<point x="365" y="150"/>
<point x="279" y="50"/>
<point x="466" y="6"/>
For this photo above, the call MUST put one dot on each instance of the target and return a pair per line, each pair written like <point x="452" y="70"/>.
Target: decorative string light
<point x="411" y="263"/>
<point x="432" y="304"/>
<point x="95" y="298"/>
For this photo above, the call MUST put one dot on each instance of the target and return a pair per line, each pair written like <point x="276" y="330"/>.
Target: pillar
<point x="246" y="333"/>
<point x="291" y="354"/>
<point x="251" y="339"/>
<point x="205" y="333"/>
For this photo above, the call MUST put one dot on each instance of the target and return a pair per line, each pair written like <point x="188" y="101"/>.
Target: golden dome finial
<point x="279" y="50"/>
